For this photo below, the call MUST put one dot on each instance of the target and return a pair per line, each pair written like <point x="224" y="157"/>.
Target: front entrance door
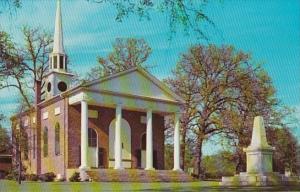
<point x="92" y="148"/>
<point x="126" y="143"/>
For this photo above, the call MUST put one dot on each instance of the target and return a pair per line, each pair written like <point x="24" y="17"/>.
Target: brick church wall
<point x="53" y="162"/>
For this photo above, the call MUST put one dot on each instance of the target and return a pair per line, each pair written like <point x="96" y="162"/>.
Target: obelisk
<point x="259" y="153"/>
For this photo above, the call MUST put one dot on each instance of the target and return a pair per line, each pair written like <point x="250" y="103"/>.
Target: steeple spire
<point x="58" y="46"/>
<point x="58" y="57"/>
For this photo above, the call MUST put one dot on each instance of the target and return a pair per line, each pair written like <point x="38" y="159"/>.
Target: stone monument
<point x="259" y="162"/>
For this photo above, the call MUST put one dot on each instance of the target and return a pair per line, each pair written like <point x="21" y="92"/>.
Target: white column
<point x="149" y="142"/>
<point x="177" y="143"/>
<point x="84" y="134"/>
<point x="118" y="143"/>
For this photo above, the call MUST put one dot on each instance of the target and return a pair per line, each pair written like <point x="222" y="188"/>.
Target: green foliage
<point x="216" y="166"/>
<point x="223" y="91"/>
<point x="169" y="156"/>
<point x="5" y="140"/>
<point x="13" y="175"/>
<point x="9" y="58"/>
<point x="127" y="53"/>
<point x="188" y="15"/>
<point x="75" y="177"/>
<point x="286" y="146"/>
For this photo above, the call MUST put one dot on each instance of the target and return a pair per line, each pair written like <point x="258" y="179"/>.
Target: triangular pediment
<point x="135" y="82"/>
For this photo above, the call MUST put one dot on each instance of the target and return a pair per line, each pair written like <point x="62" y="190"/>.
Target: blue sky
<point x="268" y="29"/>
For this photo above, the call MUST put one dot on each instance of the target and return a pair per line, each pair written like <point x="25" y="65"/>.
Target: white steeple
<point x="58" y="79"/>
<point x="57" y="60"/>
<point x="58" y="46"/>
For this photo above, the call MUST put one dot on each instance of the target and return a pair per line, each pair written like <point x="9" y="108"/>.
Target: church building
<point x="115" y="122"/>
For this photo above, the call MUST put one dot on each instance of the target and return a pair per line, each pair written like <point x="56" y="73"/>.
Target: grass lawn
<point x="7" y="186"/>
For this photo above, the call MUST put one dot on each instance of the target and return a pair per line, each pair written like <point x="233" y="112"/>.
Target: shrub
<point x="10" y="176"/>
<point x="75" y="177"/>
<point x="32" y="177"/>
<point x="47" y="177"/>
<point x="13" y="175"/>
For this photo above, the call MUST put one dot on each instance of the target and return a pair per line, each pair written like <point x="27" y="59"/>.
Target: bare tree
<point x="24" y="64"/>
<point x="21" y="140"/>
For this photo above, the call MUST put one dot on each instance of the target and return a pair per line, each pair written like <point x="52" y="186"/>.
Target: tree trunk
<point x="182" y="150"/>
<point x="199" y="157"/>
<point x="240" y="166"/>
<point x="20" y="166"/>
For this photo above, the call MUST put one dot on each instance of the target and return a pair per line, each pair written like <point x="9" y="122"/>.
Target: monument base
<point x="259" y="179"/>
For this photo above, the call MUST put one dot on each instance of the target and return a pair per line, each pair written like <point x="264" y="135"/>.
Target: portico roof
<point x="134" y="87"/>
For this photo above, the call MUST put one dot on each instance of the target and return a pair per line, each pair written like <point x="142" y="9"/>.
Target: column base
<point x="177" y="169"/>
<point x="83" y="174"/>
<point x="119" y="168"/>
<point x="84" y="168"/>
<point x="150" y="169"/>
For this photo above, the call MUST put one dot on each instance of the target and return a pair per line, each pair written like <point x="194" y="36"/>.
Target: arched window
<point x="45" y="144"/>
<point x="92" y="138"/>
<point x="57" y="139"/>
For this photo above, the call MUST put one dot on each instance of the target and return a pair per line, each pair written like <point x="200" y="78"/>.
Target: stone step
<point x="136" y="175"/>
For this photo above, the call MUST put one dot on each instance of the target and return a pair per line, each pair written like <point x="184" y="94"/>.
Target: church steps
<point x="137" y="175"/>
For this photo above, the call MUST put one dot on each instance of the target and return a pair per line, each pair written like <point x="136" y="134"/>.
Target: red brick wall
<point x="53" y="163"/>
<point x="5" y="163"/>
<point x="73" y="137"/>
<point x="101" y="125"/>
<point x="31" y="163"/>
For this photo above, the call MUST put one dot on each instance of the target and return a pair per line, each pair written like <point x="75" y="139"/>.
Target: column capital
<point x="178" y="113"/>
<point x="119" y="104"/>
<point x="149" y="109"/>
<point x="84" y="96"/>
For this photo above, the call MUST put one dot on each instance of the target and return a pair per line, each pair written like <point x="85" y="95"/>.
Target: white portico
<point x="135" y="90"/>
